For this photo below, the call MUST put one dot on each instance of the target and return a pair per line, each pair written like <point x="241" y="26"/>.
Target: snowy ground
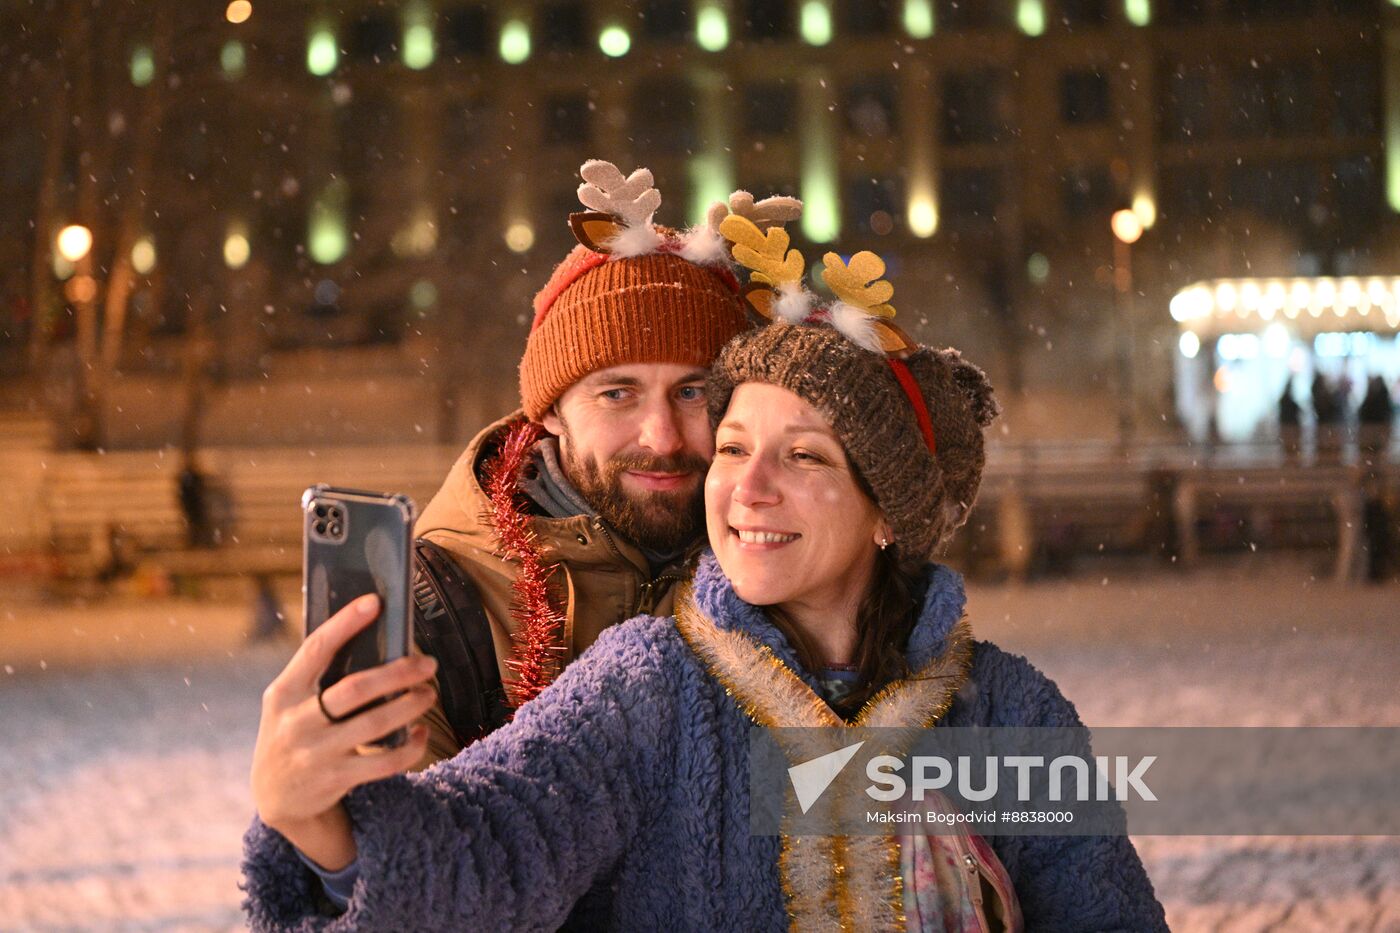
<point x="125" y="786"/>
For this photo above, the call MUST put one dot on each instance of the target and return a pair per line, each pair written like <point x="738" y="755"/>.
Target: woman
<point x="619" y="797"/>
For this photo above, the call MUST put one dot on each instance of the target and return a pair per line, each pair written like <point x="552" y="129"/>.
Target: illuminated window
<point x="419" y="45"/>
<point x="918" y="18"/>
<point x="711" y="27"/>
<point x="237" y="249"/>
<point x="327" y="239"/>
<point x="614" y="41"/>
<point x="1030" y="17"/>
<point x="816" y="22"/>
<point x="143" y="256"/>
<point x="515" y="42"/>
<point x="233" y="59"/>
<point x="143" y="66"/>
<point x="322" y="54"/>
<point x="520" y="236"/>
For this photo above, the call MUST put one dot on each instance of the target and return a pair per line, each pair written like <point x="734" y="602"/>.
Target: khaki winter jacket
<point x="602" y="578"/>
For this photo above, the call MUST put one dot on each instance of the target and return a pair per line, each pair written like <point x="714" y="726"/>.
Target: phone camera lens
<point x="320" y="528"/>
<point x="320" y="511"/>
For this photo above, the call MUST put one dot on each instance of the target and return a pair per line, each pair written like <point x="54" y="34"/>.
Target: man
<point x="588" y="525"/>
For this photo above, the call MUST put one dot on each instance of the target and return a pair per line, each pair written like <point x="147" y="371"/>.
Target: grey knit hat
<point x="924" y="494"/>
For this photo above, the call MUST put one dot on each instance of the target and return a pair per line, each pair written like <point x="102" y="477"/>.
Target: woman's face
<point x="786" y="517"/>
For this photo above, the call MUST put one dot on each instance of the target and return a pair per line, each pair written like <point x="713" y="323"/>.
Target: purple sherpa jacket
<point x="624" y="789"/>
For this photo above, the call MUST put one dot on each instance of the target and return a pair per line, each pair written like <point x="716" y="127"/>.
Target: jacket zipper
<point x="647" y="591"/>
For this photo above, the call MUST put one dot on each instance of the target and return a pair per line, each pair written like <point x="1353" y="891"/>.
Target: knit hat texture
<point x="924" y="496"/>
<point x="597" y="312"/>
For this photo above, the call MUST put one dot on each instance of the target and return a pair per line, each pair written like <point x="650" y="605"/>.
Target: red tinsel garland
<point x="536" y="657"/>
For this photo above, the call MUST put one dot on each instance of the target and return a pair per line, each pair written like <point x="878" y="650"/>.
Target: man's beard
<point x="660" y="522"/>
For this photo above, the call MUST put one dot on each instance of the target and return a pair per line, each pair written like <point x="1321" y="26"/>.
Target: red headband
<point x="916" y="399"/>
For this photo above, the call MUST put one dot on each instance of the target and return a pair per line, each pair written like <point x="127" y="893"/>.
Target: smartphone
<point x="357" y="542"/>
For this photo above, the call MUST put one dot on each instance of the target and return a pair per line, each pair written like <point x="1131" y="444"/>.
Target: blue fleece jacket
<point x="624" y="789"/>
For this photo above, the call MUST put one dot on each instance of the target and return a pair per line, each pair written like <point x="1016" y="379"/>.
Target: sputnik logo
<point x="811" y="778"/>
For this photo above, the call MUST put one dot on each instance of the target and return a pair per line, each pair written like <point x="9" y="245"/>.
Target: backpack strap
<point x="450" y="623"/>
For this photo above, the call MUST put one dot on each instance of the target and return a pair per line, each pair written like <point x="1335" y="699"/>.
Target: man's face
<point x="635" y="440"/>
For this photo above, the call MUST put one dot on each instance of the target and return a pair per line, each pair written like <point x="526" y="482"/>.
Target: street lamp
<point x="74" y="242"/>
<point x="1127" y="229"/>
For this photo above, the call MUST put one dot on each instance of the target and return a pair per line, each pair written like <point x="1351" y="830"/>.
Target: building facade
<point x="399" y="174"/>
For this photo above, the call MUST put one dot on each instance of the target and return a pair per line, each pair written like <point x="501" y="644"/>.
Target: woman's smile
<point x="762" y="539"/>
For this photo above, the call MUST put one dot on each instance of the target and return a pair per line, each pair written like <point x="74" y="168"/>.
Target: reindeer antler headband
<point x="862" y="312"/>
<point x="619" y="224"/>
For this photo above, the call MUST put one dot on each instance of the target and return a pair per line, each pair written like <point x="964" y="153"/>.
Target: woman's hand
<point x="304" y="764"/>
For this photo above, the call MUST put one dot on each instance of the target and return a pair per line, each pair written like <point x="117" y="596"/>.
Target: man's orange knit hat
<point x="598" y="311"/>
<point x="633" y="291"/>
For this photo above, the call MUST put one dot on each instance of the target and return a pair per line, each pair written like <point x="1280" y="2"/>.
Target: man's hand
<point x="304" y="764"/>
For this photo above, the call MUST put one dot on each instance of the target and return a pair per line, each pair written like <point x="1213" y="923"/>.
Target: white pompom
<point x="703" y="245"/>
<point x="855" y="325"/>
<point x="794" y="303"/>
<point x="634" y="241"/>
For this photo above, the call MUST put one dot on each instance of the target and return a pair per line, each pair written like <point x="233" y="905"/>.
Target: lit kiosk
<point x="1243" y="340"/>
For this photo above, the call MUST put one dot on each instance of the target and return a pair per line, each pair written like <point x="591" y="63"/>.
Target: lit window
<point x="423" y="295"/>
<point x="515" y="42"/>
<point x="419" y="46"/>
<point x="322" y="54"/>
<point x="1030" y="17"/>
<point x="520" y="236"/>
<point x="821" y="210"/>
<point x="711" y="28"/>
<point x="922" y="215"/>
<point x="237" y="249"/>
<point x="711" y="180"/>
<point x="326" y="237"/>
<point x="918" y="18"/>
<point x="233" y="59"/>
<point x="143" y="66"/>
<point x="614" y="41"/>
<point x="816" y="22"/>
<point x="143" y="256"/>
<point x="1138" y="12"/>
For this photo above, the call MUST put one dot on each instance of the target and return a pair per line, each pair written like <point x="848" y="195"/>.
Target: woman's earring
<point x="884" y="542"/>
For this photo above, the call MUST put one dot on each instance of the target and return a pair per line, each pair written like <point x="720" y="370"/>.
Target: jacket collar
<point x="459" y="505"/>
<point x="944" y="600"/>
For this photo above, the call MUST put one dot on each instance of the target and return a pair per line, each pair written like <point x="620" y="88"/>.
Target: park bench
<point x="1300" y="506"/>
<point x="124" y="506"/>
